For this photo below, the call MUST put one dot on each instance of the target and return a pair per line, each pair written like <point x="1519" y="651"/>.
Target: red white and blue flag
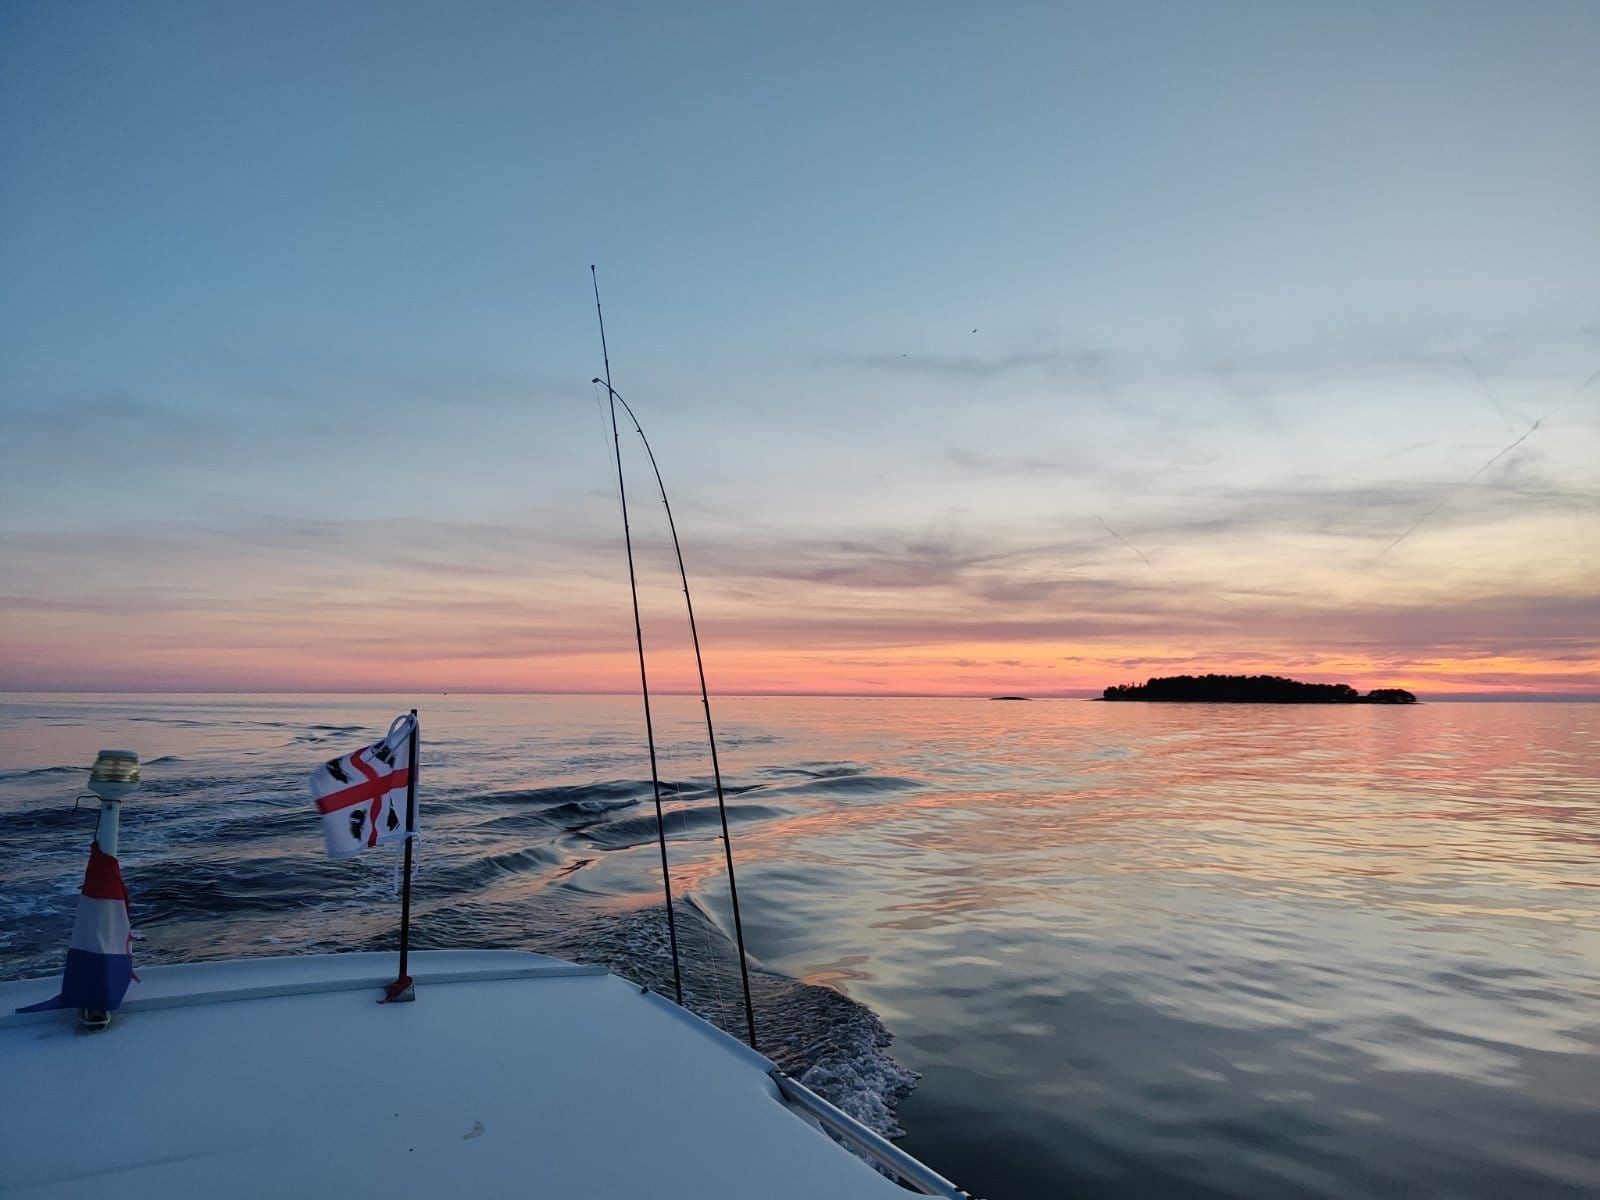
<point x="100" y="953"/>
<point x="362" y="796"/>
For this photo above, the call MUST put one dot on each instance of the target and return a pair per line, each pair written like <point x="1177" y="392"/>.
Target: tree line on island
<point x="1252" y="689"/>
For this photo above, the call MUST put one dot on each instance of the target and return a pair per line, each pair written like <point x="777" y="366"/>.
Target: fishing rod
<point x="638" y="636"/>
<point x="705" y="701"/>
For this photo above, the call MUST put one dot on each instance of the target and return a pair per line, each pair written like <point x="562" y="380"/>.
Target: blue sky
<point x="984" y="345"/>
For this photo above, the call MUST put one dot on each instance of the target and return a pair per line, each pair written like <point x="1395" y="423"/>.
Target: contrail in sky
<point x="1529" y="432"/>
<point x="1484" y="384"/>
<point x="1451" y="494"/>
<point x="1124" y="541"/>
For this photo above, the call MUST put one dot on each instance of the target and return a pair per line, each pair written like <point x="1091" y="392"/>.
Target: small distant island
<point x="1252" y="689"/>
<point x="1011" y="697"/>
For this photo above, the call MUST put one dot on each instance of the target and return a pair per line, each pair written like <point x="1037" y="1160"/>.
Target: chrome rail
<point x="874" y="1147"/>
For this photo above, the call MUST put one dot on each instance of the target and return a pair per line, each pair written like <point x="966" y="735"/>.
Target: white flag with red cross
<point x="362" y="796"/>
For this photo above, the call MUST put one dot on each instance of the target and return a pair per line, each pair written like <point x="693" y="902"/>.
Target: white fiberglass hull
<point x="511" y="1075"/>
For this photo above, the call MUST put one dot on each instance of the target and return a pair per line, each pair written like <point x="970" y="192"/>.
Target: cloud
<point x="1053" y="465"/>
<point x="1014" y="559"/>
<point x="1091" y="365"/>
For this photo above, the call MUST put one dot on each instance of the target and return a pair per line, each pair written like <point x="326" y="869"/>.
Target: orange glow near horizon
<point x="958" y="669"/>
<point x="1500" y="609"/>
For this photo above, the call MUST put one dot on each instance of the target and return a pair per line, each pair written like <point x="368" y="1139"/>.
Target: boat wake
<point x="835" y="1046"/>
<point x="224" y="864"/>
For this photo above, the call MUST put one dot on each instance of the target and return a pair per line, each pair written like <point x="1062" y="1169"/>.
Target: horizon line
<point x="1080" y="694"/>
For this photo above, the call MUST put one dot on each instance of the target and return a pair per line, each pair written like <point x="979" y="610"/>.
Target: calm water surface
<point x="1132" y="950"/>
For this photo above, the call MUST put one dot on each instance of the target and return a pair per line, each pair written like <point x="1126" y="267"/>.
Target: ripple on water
<point x="1130" y="950"/>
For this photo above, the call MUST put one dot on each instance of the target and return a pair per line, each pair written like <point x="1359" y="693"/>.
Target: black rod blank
<point x="638" y="635"/>
<point x="711" y="733"/>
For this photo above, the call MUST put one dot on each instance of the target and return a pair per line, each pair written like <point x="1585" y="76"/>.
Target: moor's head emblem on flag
<point x="362" y="796"/>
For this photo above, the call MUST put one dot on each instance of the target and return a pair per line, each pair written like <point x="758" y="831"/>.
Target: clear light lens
<point x="115" y="773"/>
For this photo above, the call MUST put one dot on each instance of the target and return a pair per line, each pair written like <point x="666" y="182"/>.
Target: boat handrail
<point x="870" y="1144"/>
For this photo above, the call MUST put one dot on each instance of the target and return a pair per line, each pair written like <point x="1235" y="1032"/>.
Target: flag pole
<point x="404" y="988"/>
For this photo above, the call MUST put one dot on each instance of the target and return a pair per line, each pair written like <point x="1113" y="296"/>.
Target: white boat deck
<point x="511" y="1075"/>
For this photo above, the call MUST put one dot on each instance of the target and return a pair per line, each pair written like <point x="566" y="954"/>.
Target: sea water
<point x="1068" y="948"/>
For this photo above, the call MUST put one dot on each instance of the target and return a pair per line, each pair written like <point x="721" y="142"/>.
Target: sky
<point x="985" y="348"/>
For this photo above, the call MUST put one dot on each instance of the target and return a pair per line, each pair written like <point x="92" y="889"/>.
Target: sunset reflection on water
<point x="1202" y="949"/>
<point x="1133" y="949"/>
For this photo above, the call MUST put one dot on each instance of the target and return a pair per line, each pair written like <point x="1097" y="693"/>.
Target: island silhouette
<point x="1252" y="689"/>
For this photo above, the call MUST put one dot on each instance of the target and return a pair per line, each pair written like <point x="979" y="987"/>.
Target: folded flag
<point x="100" y="952"/>
<point x="362" y="796"/>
